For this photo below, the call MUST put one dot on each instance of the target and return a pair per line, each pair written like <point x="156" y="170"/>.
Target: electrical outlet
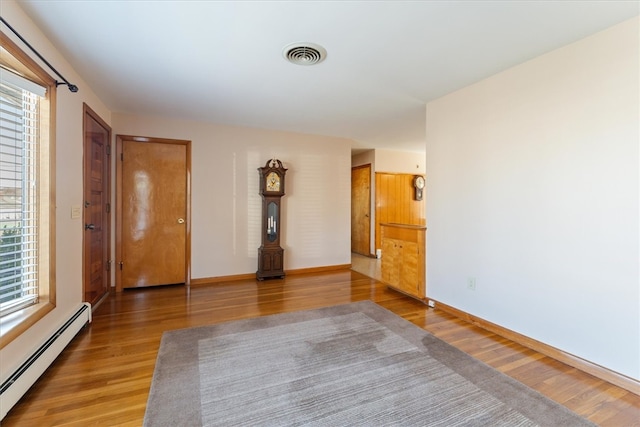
<point x="471" y="283"/>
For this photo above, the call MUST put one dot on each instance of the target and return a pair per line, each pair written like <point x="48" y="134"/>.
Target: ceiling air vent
<point x="304" y="53"/>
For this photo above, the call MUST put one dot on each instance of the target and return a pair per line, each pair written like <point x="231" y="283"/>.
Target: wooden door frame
<point x="87" y="111"/>
<point x="187" y="250"/>
<point x="369" y="210"/>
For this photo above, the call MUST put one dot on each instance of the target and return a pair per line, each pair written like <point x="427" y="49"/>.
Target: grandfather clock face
<point x="273" y="182"/>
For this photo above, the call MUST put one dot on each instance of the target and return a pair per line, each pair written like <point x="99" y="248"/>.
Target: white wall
<point x="533" y="189"/>
<point x="400" y="162"/>
<point x="366" y="157"/>
<point x="69" y="147"/>
<point x="226" y="206"/>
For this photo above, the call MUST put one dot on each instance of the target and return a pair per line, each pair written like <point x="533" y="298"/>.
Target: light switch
<point x="76" y="211"/>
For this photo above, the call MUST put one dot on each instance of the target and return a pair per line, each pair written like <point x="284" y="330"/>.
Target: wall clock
<point x="270" y="254"/>
<point x="418" y="184"/>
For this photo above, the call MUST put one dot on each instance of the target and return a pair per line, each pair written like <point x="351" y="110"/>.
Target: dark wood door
<point x="360" y="210"/>
<point x="153" y="212"/>
<point x="97" y="207"/>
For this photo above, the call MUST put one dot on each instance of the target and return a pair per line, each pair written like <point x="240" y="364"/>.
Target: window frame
<point x="14" y="324"/>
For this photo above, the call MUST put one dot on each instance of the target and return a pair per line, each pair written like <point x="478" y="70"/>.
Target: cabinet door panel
<point x="266" y="262"/>
<point x="390" y="259"/>
<point x="409" y="267"/>
<point x="277" y="261"/>
<point x="386" y="262"/>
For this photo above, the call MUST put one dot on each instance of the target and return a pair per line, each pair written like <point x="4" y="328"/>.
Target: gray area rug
<point x="353" y="364"/>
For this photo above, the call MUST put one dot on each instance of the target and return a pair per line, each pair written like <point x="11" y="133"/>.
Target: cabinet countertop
<point x="410" y="226"/>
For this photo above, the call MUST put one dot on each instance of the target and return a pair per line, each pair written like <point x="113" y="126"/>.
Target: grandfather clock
<point x="270" y="254"/>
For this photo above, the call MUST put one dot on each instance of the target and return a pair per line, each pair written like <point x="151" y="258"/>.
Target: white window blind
<point x="19" y="111"/>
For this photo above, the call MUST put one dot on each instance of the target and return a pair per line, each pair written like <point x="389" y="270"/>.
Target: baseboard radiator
<point x="17" y="384"/>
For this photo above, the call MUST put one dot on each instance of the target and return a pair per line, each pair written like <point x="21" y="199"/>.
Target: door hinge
<point x="108" y="207"/>
<point x="109" y="265"/>
<point x="121" y="156"/>
<point x="121" y="264"/>
<point x="108" y="150"/>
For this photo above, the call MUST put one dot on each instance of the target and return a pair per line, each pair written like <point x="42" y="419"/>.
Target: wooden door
<point x="97" y="208"/>
<point x="360" y="210"/>
<point x="153" y="209"/>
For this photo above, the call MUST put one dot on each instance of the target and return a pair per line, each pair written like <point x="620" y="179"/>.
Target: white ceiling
<point x="221" y="61"/>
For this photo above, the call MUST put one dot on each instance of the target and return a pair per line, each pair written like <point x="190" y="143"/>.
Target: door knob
<point x="180" y="221"/>
<point x="89" y="226"/>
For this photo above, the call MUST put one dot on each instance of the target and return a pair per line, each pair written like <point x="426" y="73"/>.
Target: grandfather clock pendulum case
<point x="270" y="254"/>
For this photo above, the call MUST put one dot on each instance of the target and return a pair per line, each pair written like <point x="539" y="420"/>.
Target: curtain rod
<point x="73" y="88"/>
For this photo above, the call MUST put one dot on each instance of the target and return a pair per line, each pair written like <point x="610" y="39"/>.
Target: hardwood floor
<point x="103" y="377"/>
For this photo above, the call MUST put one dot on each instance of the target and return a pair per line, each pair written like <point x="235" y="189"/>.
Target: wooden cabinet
<point x="403" y="258"/>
